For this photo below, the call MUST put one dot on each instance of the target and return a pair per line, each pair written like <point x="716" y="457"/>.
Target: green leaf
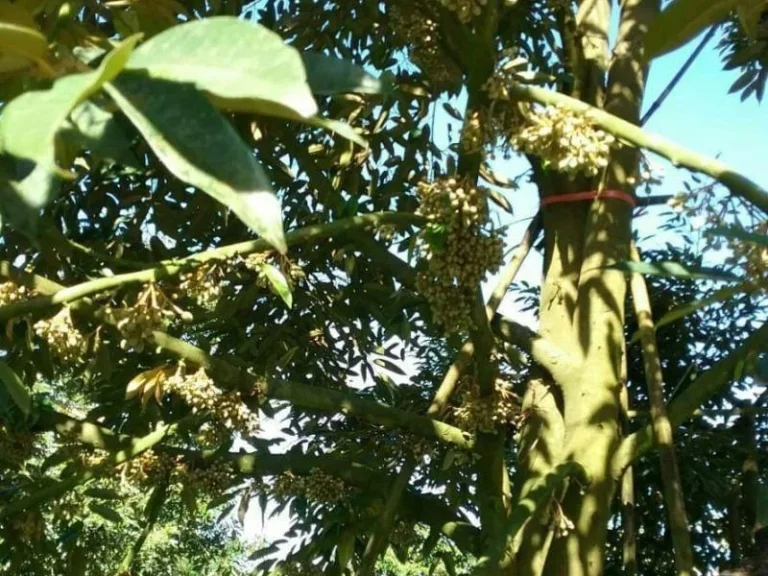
<point x="29" y="124"/>
<point x="329" y="75"/>
<point x="93" y="128"/>
<point x="278" y="283"/>
<point x="105" y="512"/>
<point x="28" y="128"/>
<point x="16" y="388"/>
<point x="21" y="43"/>
<point x="241" y="66"/>
<point x="201" y="148"/>
<point x="674" y="270"/>
<point x="682" y="21"/>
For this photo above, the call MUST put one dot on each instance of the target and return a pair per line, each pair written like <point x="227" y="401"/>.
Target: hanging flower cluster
<point x="202" y="395"/>
<point x="210" y="480"/>
<point x="147" y="467"/>
<point x="151" y="312"/>
<point x="487" y="413"/>
<point x="568" y="142"/>
<point x="65" y="341"/>
<point x="11" y="293"/>
<point x="457" y="248"/>
<point x="317" y="486"/>
<point x="422" y="34"/>
<point x="465" y="10"/>
<point x="205" y="283"/>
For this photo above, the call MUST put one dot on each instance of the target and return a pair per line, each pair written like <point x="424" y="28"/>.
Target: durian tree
<point x="215" y="212"/>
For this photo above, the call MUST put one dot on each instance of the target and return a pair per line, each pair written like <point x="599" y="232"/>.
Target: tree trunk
<point x="582" y="312"/>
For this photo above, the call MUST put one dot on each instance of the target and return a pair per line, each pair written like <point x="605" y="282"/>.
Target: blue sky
<point x="699" y="114"/>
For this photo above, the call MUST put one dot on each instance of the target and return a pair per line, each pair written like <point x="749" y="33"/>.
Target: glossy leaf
<point x="98" y="131"/>
<point x="198" y="146"/>
<point x="29" y="124"/>
<point x="15" y="387"/>
<point x="241" y="66"/>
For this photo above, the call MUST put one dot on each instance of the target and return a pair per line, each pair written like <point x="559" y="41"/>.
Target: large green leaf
<point x="241" y="66"/>
<point x="28" y="129"/>
<point x="29" y="124"/>
<point x="682" y="21"/>
<point x="675" y="270"/>
<point x="15" y="387"/>
<point x="201" y="148"/>
<point x="21" y="43"/>
<point x="330" y="75"/>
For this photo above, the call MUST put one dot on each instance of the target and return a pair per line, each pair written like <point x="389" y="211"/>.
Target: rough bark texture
<point x="582" y="313"/>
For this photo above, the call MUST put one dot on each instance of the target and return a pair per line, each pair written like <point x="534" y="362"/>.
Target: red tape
<point x="591" y="195"/>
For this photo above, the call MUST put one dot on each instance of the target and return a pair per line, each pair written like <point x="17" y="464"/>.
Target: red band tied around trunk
<point x="591" y="195"/>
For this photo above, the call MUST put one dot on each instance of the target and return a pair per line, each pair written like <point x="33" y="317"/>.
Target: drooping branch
<point x="421" y="507"/>
<point x="428" y="509"/>
<point x="301" y="395"/>
<point x="700" y="391"/>
<point x="166" y="270"/>
<point x="559" y="364"/>
<point x="680" y="156"/>
<point x="662" y="428"/>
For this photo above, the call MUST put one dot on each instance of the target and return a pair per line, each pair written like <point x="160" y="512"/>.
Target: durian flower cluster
<point x="317" y="487"/>
<point x="11" y="293"/>
<point x="199" y="391"/>
<point x="152" y="311"/>
<point x="487" y="413"/>
<point x="64" y="340"/>
<point x="422" y="35"/>
<point x="465" y="10"/>
<point x="458" y="249"/>
<point x="565" y="141"/>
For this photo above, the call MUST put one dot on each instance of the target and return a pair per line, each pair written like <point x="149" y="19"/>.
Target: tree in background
<point x="206" y="218"/>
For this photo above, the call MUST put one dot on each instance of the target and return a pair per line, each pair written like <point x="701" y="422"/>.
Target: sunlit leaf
<point x="278" y="283"/>
<point x="242" y="66"/>
<point x="28" y="128"/>
<point x="202" y="149"/>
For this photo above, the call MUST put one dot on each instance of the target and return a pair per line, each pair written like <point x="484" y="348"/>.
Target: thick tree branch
<point x="166" y="270"/>
<point x="678" y="155"/>
<point x="547" y="355"/>
<point x="703" y="389"/>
